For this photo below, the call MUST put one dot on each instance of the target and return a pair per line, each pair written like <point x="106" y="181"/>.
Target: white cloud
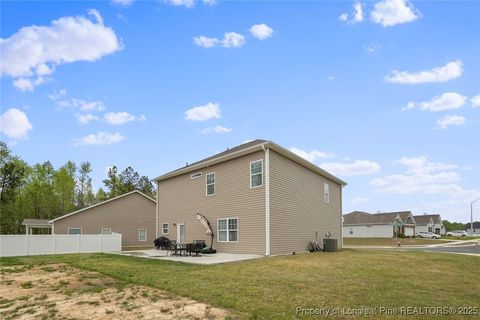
<point x="424" y="177"/>
<point x="123" y="3"/>
<point x="14" y="124"/>
<point x="357" y="15"/>
<point x="57" y="95"/>
<point x="230" y="40"/>
<point x="359" y="200"/>
<point x="391" y="12"/>
<point x="86" y="106"/>
<point x="450" y="120"/>
<point x="209" y="2"/>
<point x="34" y="51"/>
<point x="118" y="118"/>
<point x="313" y="155"/>
<point x="446" y="101"/>
<point x="372" y="47"/>
<point x="358" y="167"/>
<point x="86" y="118"/>
<point x="181" y="3"/>
<point x="216" y="130"/>
<point x="475" y="101"/>
<point x="449" y="71"/>
<point x="100" y="138"/>
<point x="330" y="78"/>
<point x="261" y="31"/>
<point x="201" y="113"/>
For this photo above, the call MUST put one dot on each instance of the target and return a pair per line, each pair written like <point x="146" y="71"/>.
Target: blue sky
<point x="385" y="94"/>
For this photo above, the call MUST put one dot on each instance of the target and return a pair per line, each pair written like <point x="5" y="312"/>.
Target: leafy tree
<point x="112" y="183"/>
<point x="85" y="195"/>
<point x="145" y="186"/>
<point x="65" y="187"/>
<point x="128" y="179"/>
<point x="101" y="195"/>
<point x="450" y="226"/>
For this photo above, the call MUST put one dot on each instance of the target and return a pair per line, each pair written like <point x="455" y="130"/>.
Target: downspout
<point x="156" y="215"/>
<point x="341" y="212"/>
<point x="267" y="200"/>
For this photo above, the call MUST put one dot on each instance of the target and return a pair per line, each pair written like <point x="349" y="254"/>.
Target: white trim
<point x="168" y="228"/>
<point x="178" y="231"/>
<point x="267" y="201"/>
<point x="156" y="213"/>
<point x="101" y="203"/>
<point x="106" y="229"/>
<point x="207" y="184"/>
<point x="261" y="185"/>
<point x="81" y="231"/>
<point x="146" y="234"/>
<point x="196" y="175"/>
<point x="228" y="231"/>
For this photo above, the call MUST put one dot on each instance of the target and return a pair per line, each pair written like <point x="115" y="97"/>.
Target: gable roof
<point x="36" y="222"/>
<point x="244" y="149"/>
<point x="102" y="203"/>
<point x="424" y="219"/>
<point x="360" y="217"/>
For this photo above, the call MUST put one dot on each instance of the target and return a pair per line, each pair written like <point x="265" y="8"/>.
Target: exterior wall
<point x="124" y="215"/>
<point x="410" y="231"/>
<point x="297" y="211"/>
<point x="180" y="198"/>
<point x="476" y="231"/>
<point x="433" y="228"/>
<point x="421" y="229"/>
<point x="374" y="231"/>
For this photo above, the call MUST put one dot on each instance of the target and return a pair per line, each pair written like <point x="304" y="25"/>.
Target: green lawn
<point x="390" y="241"/>
<point x="272" y="288"/>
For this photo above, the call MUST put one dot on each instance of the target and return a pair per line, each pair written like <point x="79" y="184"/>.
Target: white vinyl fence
<point x="29" y="245"/>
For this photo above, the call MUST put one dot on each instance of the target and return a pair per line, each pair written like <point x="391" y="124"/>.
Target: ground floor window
<point x="165" y="228"/>
<point x="106" y="231"/>
<point x="142" y="234"/>
<point x="227" y="230"/>
<point x="351" y="231"/>
<point x="74" y="230"/>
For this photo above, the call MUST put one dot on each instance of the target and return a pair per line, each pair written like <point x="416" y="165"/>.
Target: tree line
<point x="43" y="192"/>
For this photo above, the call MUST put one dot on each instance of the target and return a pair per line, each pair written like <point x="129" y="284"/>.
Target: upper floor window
<point x="326" y="193"/>
<point x="256" y="173"/>
<point x="165" y="228"/>
<point x="210" y="184"/>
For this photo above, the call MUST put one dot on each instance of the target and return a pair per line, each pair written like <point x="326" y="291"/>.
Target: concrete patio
<point x="206" y="259"/>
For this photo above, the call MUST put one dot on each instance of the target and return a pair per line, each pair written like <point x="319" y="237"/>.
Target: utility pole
<point x="471" y="215"/>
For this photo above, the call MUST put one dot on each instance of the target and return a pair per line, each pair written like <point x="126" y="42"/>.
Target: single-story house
<point x="431" y="223"/>
<point x="259" y="198"/>
<point x="476" y="228"/>
<point x="360" y="224"/>
<point x="131" y="214"/>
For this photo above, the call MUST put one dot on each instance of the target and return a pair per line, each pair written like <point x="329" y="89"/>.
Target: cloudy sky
<point x="385" y="94"/>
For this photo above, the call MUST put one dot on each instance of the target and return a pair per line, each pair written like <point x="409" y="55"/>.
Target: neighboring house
<point x="431" y="223"/>
<point x="259" y="198"/>
<point x="131" y="214"/>
<point x="476" y="228"/>
<point x="31" y="224"/>
<point x="360" y="224"/>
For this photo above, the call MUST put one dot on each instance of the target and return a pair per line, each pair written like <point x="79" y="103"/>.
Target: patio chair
<point x="172" y="247"/>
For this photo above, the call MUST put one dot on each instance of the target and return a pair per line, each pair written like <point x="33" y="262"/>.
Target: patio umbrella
<point x="208" y="227"/>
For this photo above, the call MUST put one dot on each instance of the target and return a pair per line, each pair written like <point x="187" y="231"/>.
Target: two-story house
<point x="259" y="197"/>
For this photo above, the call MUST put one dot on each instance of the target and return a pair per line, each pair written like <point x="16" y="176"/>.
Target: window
<point x="256" y="173"/>
<point x="227" y="230"/>
<point x="326" y="193"/>
<point x="165" y="228"/>
<point x="142" y="234"/>
<point x="74" y="230"/>
<point x="211" y="184"/>
<point x="106" y="231"/>
<point x="196" y="175"/>
<point x="351" y="231"/>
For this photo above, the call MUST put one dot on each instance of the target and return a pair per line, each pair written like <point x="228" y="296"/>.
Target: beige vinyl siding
<point x="297" y="209"/>
<point x="125" y="215"/>
<point x="180" y="198"/>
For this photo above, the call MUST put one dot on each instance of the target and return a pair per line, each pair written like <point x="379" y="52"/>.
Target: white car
<point x="429" y="235"/>
<point x="456" y="233"/>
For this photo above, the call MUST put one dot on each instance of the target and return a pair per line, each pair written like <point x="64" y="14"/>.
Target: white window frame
<point x="74" y="234"/>
<point x="326" y="193"/>
<point x="196" y="175"/>
<point x="228" y="230"/>
<point x="208" y="184"/>
<point x="146" y="234"/>
<point x="163" y="228"/>
<point x="252" y="174"/>
<point x="110" y="229"/>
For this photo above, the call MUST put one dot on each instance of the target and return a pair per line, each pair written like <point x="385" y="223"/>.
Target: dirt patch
<point x="65" y="292"/>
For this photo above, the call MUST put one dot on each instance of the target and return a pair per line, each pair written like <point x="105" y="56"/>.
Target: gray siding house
<point x="131" y="214"/>
<point x="430" y="223"/>
<point x="259" y="197"/>
<point x="359" y="224"/>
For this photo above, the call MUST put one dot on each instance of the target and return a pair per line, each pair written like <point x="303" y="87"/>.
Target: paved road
<point x="473" y="249"/>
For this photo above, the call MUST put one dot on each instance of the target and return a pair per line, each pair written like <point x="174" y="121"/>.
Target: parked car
<point x="456" y="233"/>
<point x="429" y="235"/>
